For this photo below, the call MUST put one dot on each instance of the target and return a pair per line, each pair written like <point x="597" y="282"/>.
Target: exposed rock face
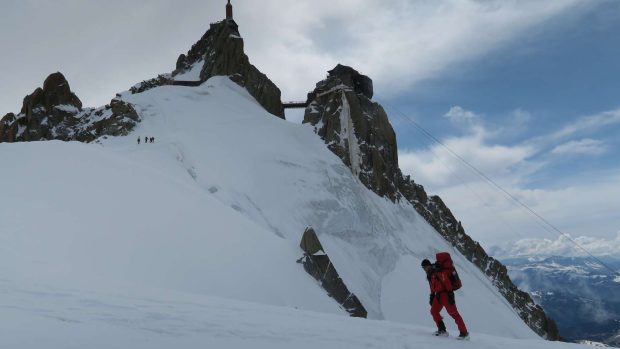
<point x="8" y="128"/>
<point x="220" y="52"/>
<point x="318" y="264"/>
<point x="358" y="131"/>
<point x="116" y="119"/>
<point x="45" y="108"/>
<point x="55" y="92"/>
<point x="160" y="80"/>
<point x="54" y="112"/>
<point x="350" y="77"/>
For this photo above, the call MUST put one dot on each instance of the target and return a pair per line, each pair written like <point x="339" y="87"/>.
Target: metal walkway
<point x="294" y="105"/>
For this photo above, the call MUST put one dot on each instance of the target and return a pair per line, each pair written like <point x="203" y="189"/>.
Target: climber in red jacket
<point x="441" y="296"/>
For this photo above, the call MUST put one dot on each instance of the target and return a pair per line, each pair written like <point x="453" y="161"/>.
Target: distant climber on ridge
<point x="442" y="294"/>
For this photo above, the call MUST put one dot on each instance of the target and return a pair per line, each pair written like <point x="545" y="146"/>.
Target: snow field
<point x="205" y="219"/>
<point x="35" y="317"/>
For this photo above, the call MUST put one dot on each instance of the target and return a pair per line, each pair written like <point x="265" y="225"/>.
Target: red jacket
<point x="439" y="281"/>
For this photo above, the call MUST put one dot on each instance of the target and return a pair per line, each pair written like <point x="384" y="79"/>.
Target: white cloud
<point x="585" y="146"/>
<point x="396" y="43"/>
<point x="577" y="206"/>
<point x="588" y="123"/>
<point x="562" y="246"/>
<point x="458" y="114"/>
<point x="437" y="166"/>
<point x="587" y="208"/>
<point x="521" y="117"/>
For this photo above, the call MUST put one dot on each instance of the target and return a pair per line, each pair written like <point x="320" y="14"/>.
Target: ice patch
<point x="347" y="133"/>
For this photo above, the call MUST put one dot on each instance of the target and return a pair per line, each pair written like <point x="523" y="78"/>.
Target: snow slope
<point x="214" y="208"/>
<point x="83" y="217"/>
<point x="59" y="319"/>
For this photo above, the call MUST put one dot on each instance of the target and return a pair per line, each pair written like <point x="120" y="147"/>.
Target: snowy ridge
<point x="146" y="240"/>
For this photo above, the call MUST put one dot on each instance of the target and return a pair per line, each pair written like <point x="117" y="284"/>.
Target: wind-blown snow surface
<point x="93" y="233"/>
<point x="52" y="319"/>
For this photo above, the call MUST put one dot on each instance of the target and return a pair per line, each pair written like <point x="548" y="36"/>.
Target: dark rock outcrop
<point x="54" y="112"/>
<point x="8" y="128"/>
<point x="361" y="84"/>
<point x="120" y="120"/>
<point x="55" y="92"/>
<point x="358" y="131"/>
<point x="318" y="264"/>
<point x="220" y="52"/>
<point x="160" y="80"/>
<point x="47" y="107"/>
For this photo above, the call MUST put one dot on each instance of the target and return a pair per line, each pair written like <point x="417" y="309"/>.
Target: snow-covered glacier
<point x="214" y="209"/>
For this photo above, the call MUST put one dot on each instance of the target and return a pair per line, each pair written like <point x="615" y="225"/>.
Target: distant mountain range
<point x="582" y="295"/>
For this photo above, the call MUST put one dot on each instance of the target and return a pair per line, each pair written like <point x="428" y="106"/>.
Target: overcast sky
<point x="527" y="91"/>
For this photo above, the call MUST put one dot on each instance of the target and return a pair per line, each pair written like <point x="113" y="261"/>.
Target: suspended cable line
<point x="499" y="217"/>
<point x="433" y="139"/>
<point x="494" y="184"/>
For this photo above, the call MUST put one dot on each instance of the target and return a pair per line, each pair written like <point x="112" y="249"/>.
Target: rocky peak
<point x="55" y="93"/>
<point x="361" y="84"/>
<point x="220" y="51"/>
<point x="55" y="112"/>
<point x="355" y="128"/>
<point x="358" y="131"/>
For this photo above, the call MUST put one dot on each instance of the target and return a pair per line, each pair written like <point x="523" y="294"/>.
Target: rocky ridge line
<point x="54" y="112"/>
<point x="220" y="52"/>
<point x="358" y="131"/>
